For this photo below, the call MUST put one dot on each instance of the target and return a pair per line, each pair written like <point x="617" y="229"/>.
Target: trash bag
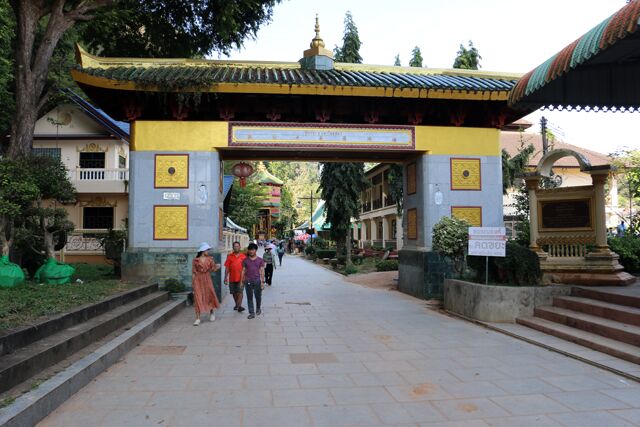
<point x="53" y="272"/>
<point x="10" y="274"/>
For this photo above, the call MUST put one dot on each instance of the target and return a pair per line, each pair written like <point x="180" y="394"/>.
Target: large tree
<point x="350" y="50"/>
<point x="467" y="58"/>
<point x="397" y="62"/>
<point x="416" y="58"/>
<point x="341" y="185"/>
<point x="119" y="27"/>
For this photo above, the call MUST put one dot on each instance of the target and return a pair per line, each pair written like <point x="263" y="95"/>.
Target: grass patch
<point x="368" y="265"/>
<point x="7" y="401"/>
<point x="25" y="304"/>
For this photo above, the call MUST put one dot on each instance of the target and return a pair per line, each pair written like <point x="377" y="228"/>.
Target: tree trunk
<point x="6" y="229"/>
<point x="49" y="245"/>
<point x="347" y="246"/>
<point x="32" y="66"/>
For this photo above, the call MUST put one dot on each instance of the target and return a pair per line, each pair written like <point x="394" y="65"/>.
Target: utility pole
<point x="543" y="131"/>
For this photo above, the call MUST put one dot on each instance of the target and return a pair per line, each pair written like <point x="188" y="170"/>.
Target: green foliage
<point x="396" y="62"/>
<point x="628" y="247"/>
<point x="341" y="185"/>
<point x="416" y="58"/>
<point x="326" y="253"/>
<point x="300" y="180"/>
<point x="176" y="28"/>
<point x="245" y="203"/>
<point x="7" y="31"/>
<point x="467" y="58"/>
<point x="310" y="250"/>
<point x="18" y="188"/>
<point x="450" y="238"/>
<point x="520" y="267"/>
<point x="627" y="162"/>
<point x="114" y="243"/>
<point x="514" y="167"/>
<point x="350" y="269"/>
<point x="387" y="265"/>
<point x="174" y="285"/>
<point x="350" y="50"/>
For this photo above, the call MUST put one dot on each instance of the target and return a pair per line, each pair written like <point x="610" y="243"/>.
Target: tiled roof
<point x="511" y="142"/>
<point x="609" y="32"/>
<point x="185" y="76"/>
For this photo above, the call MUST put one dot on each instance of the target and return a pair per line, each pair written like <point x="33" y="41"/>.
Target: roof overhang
<point x="597" y="71"/>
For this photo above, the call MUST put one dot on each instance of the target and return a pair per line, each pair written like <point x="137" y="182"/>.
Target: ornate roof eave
<point x="91" y="70"/>
<point x="589" y="60"/>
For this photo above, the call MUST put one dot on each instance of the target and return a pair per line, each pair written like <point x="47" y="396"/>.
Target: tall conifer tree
<point x="416" y="58"/>
<point x="341" y="183"/>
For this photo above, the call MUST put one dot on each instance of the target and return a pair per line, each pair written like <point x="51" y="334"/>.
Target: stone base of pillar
<point x="422" y="273"/>
<point x="155" y="266"/>
<point x="595" y="269"/>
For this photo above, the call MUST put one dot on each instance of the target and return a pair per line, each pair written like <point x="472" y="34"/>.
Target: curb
<point x="33" y="406"/>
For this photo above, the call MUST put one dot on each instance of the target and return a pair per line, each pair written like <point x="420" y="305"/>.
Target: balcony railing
<point x="377" y="204"/>
<point x="87" y="241"/>
<point x="366" y="207"/>
<point x="97" y="174"/>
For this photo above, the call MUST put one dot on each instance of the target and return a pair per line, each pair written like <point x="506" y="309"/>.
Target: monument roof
<point x="203" y="75"/>
<point x="263" y="176"/>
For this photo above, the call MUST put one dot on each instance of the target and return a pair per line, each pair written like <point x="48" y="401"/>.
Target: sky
<point x="511" y="36"/>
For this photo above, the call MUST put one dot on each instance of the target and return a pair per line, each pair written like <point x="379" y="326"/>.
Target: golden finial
<point x="317" y="40"/>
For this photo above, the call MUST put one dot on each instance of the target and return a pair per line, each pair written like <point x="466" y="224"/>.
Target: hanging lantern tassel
<point x="242" y="170"/>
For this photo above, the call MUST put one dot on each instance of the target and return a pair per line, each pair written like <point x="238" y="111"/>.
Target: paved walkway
<point x="329" y="353"/>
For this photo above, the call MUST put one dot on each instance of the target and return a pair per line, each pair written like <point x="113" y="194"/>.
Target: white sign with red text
<point x="487" y="241"/>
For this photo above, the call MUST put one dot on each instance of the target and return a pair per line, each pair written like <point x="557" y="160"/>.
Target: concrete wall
<point x="501" y="304"/>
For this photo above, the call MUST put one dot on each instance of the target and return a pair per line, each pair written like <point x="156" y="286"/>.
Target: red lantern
<point x="242" y="170"/>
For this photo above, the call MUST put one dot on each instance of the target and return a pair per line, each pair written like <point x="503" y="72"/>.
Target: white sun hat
<point x="204" y="247"/>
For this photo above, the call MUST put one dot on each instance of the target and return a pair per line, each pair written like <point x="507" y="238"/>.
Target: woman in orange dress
<point x="204" y="297"/>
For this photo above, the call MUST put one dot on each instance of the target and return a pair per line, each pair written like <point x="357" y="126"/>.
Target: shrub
<point x="310" y="250"/>
<point x="326" y="253"/>
<point x="628" y="247"/>
<point x="450" y="238"/>
<point x="350" y="269"/>
<point x="520" y="267"/>
<point x="173" y="286"/>
<point x="387" y="265"/>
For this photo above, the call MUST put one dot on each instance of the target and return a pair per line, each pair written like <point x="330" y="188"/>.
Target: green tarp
<point x="54" y="273"/>
<point x="10" y="274"/>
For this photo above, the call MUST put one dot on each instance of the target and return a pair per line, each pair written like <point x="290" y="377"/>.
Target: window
<point x="380" y="230"/>
<point x="122" y="162"/>
<point x="394" y="234"/>
<point x="92" y="160"/>
<point x="46" y="152"/>
<point x="97" y="218"/>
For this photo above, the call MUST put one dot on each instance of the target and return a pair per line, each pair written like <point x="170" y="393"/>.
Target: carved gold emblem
<point x="466" y="174"/>
<point x="172" y="171"/>
<point x="472" y="214"/>
<point x="170" y="222"/>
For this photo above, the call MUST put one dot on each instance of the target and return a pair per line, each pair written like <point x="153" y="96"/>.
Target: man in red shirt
<point x="233" y="275"/>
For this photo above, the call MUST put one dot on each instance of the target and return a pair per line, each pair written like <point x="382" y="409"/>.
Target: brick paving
<point x="329" y="353"/>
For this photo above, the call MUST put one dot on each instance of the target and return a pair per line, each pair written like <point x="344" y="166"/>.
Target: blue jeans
<point x="251" y="288"/>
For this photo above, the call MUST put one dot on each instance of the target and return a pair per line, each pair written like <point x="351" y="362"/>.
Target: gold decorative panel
<point x="411" y="178"/>
<point x="473" y="214"/>
<point x="170" y="222"/>
<point x="92" y="147"/>
<point x="172" y="171"/>
<point x="412" y="224"/>
<point x="466" y="174"/>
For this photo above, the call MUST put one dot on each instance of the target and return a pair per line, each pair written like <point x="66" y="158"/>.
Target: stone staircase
<point x="600" y="319"/>
<point x="32" y="349"/>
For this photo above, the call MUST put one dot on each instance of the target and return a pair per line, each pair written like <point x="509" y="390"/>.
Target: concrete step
<point x="623" y="332"/>
<point x="620" y="298"/>
<point x="20" y="337"/>
<point x="28" y="360"/>
<point x="596" y="342"/>
<point x="607" y="310"/>
<point x="33" y="406"/>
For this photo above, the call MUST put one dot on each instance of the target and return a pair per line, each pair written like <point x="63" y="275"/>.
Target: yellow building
<point x="95" y="150"/>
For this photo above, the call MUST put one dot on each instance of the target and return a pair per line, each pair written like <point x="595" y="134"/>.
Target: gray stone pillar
<point x="599" y="179"/>
<point x="175" y="204"/>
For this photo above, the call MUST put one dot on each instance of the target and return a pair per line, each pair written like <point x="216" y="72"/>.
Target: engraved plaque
<point x="412" y="224"/>
<point x="411" y="178"/>
<point x="565" y="214"/>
